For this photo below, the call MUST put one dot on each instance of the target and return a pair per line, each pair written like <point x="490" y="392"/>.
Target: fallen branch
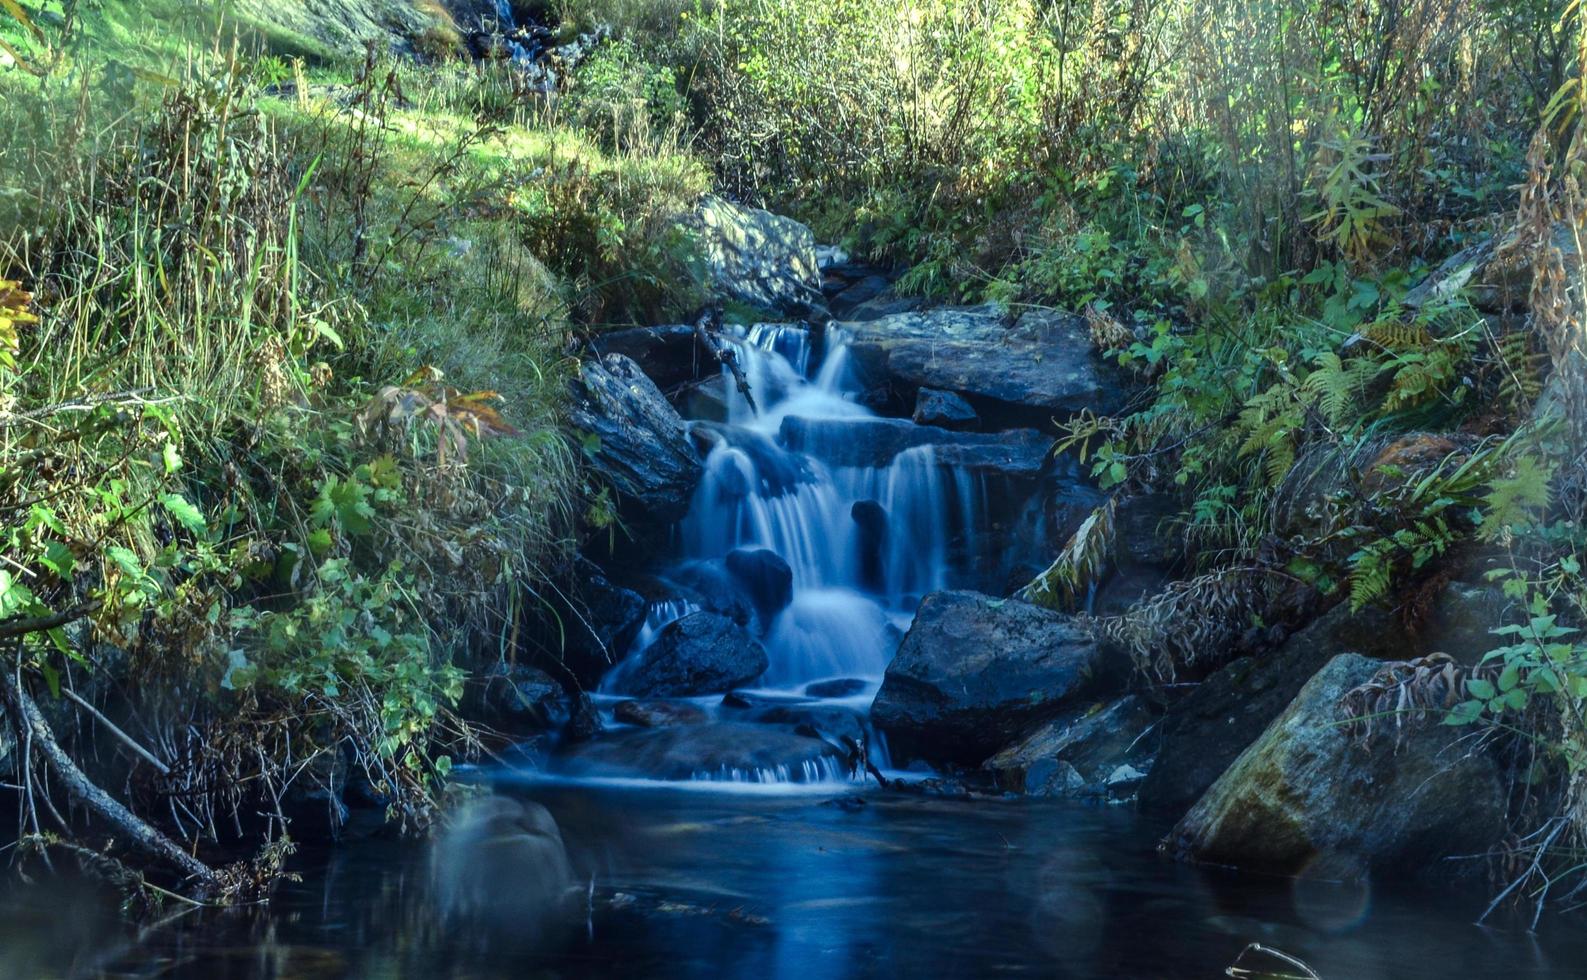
<point x="115" y="730"/>
<point x="705" y="329"/>
<point x="140" y="834"/>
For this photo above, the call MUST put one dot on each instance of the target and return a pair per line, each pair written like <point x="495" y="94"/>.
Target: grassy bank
<point x="283" y="353"/>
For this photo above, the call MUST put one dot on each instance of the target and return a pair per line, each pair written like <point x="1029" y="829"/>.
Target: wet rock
<point x="671" y="355"/>
<point x="643" y="447"/>
<point x="944" y="409"/>
<point x="1204" y="732"/>
<point x="701" y="653"/>
<point x="935" y="787"/>
<point x="1044" y="362"/>
<point x="584" y="720"/>
<point x="843" y="688"/>
<point x="758" y="258"/>
<point x="974" y="673"/>
<point x="709" y="585"/>
<point x="840" y="726"/>
<point x="659" y="714"/>
<point x="598" y="620"/>
<point x="765" y="578"/>
<point x="1092" y="744"/>
<point x="719" y="750"/>
<point x="870" y="538"/>
<point x="872" y="289"/>
<point x="875" y="442"/>
<point x="1144" y="530"/>
<point x="522" y="697"/>
<point x="1307" y="795"/>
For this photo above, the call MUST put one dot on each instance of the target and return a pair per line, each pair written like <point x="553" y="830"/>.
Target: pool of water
<point x="678" y="883"/>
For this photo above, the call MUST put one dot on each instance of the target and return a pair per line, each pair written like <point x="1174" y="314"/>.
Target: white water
<point x="758" y="494"/>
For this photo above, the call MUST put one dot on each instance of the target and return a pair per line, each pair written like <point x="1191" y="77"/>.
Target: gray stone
<point x="943" y="409"/>
<point x="974" y="672"/>
<point x="702" y="653"/>
<point x="1308" y="796"/>
<point x="757" y="258"/>
<point x="643" y="447"/>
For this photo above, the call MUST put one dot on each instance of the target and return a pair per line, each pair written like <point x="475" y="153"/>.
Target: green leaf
<point x="1464" y="713"/>
<point x="173" y="459"/>
<point x="185" y="514"/>
<point x="1481" y="689"/>
<point x="125" y="560"/>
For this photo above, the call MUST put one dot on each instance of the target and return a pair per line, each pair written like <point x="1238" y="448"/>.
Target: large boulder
<point x="1204" y="732"/>
<point x="728" y="751"/>
<point x="975" y="672"/>
<point x="1045" y="363"/>
<point x="1493" y="275"/>
<point x="1309" y="795"/>
<point x="876" y="442"/>
<point x="640" y="443"/>
<point x="518" y="696"/>
<point x="1091" y="744"/>
<point x="702" y="653"/>
<point x="943" y="409"/>
<point x="758" y="258"/>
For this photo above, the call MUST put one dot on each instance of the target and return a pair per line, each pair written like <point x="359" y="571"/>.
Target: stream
<point x="608" y="862"/>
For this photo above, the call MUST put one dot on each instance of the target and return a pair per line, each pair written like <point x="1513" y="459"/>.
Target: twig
<point x="705" y="329"/>
<point x="115" y="730"/>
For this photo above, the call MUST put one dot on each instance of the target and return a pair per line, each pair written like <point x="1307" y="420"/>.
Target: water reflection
<point x="689" y="884"/>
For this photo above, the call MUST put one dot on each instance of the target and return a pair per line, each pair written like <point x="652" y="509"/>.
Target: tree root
<point x="139" y="834"/>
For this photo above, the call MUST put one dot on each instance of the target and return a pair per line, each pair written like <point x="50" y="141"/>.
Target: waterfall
<point x="864" y="543"/>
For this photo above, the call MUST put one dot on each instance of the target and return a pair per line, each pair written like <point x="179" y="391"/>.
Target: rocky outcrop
<point x="1043" y="365"/>
<point x="757" y="258"/>
<point x="1204" y="732"/>
<point x="639" y="444"/>
<point x="720" y="750"/>
<point x="974" y="673"/>
<point x="1078" y="752"/>
<point x="1309" y="795"/>
<point x="702" y="653"/>
<point x="876" y="442"/>
<point x="765" y="578"/>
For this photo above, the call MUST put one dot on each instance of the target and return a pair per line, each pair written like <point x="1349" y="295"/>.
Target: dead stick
<point x="144" y="837"/>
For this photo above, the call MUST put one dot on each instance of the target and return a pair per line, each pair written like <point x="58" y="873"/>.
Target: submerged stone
<point x="659" y="714"/>
<point x="729" y="751"/>
<point x="1092" y="744"/>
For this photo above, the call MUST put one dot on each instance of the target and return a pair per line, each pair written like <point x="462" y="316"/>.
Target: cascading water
<point x="863" y="543"/>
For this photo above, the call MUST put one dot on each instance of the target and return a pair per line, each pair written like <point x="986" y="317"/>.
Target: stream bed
<point x="778" y="882"/>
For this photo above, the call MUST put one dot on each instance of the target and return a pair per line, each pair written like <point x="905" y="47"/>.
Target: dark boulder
<point x="876" y="442"/>
<point x="671" y="356"/>
<point x="640" y="445"/>
<point x="735" y="751"/>
<point x="1204" y="732"/>
<point x="598" y="621"/>
<point x="518" y="696"/>
<point x="1045" y="361"/>
<point x="765" y="578"/>
<point x="659" y="714"/>
<point x="870" y="538"/>
<point x="974" y="673"/>
<point x="1091" y="744"/>
<point x="701" y="653"/>
<point x="943" y="409"/>
<point x="1309" y="795"/>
